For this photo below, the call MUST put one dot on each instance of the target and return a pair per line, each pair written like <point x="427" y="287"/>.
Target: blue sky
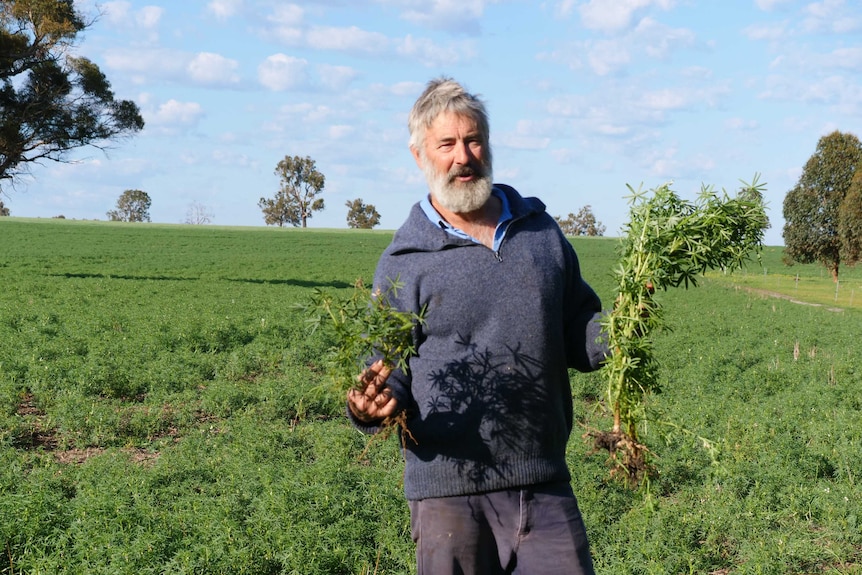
<point x="585" y="96"/>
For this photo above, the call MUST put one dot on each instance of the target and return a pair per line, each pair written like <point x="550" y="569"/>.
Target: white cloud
<point x="351" y="39"/>
<point x="148" y="17"/>
<point x="832" y="16"/>
<point x="338" y="132"/>
<point x="231" y="158"/>
<point x="659" y="40"/>
<point x="666" y="99"/>
<point x="614" y="15"/>
<point x="117" y="12"/>
<point x="173" y="114"/>
<point x="336" y="77"/>
<point x="607" y="56"/>
<point x="281" y="72"/>
<point x="565" y="8"/>
<point x="453" y="15"/>
<point x="286" y="21"/>
<point x="840" y="93"/>
<point x="770" y="32"/>
<point x="286" y="15"/>
<point x="434" y="55"/>
<point x="120" y="13"/>
<point x="566" y="106"/>
<point x="407" y="89"/>
<point x="143" y="64"/>
<point x="213" y="69"/>
<point x="614" y="55"/>
<point x="769" y="5"/>
<point x="847" y="58"/>
<point x="663" y="163"/>
<point x="741" y="124"/>
<point x="306" y="112"/>
<point x="224" y="9"/>
<point x="520" y="142"/>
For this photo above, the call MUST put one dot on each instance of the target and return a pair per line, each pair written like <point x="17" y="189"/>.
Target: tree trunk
<point x="833" y="269"/>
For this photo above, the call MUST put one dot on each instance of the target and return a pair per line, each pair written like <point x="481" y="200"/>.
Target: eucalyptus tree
<point x="583" y="223"/>
<point x="51" y="100"/>
<point x="361" y="215"/>
<point x="132" y="206"/>
<point x="813" y="208"/>
<point x="297" y="197"/>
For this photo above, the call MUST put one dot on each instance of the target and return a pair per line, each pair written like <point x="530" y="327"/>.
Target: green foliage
<point x="361" y="215"/>
<point x="583" y="223"/>
<point x="52" y="102"/>
<point x="813" y="208"/>
<point x="810" y="284"/>
<point x="236" y="458"/>
<point x="668" y="242"/>
<point x="363" y="325"/>
<point x="296" y="199"/>
<point x="850" y="221"/>
<point x="132" y="206"/>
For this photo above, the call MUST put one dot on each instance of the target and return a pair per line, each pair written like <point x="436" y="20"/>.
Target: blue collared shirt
<point x="499" y="231"/>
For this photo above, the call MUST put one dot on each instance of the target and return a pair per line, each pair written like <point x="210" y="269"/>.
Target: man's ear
<point x="416" y="156"/>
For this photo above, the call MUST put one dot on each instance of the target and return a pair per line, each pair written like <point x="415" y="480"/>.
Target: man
<point x="487" y="398"/>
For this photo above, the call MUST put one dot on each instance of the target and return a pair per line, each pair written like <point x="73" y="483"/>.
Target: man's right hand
<point x="372" y="401"/>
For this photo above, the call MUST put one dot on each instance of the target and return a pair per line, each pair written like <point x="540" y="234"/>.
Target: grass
<point x="810" y="284"/>
<point x="163" y="409"/>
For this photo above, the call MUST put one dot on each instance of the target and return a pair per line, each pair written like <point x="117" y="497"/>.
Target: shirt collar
<point x="499" y="232"/>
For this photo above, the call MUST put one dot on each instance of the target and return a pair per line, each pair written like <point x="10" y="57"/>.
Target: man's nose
<point x="463" y="155"/>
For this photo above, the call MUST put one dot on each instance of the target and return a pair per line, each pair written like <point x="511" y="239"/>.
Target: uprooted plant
<point x="667" y="242"/>
<point x="364" y="324"/>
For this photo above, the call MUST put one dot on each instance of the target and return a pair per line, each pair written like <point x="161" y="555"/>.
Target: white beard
<point x="455" y="196"/>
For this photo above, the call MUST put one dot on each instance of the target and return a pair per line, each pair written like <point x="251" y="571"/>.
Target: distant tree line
<point x="583" y="223"/>
<point x="298" y="197"/>
<point x="53" y="100"/>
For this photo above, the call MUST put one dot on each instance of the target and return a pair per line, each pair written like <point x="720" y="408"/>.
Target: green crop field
<point x="165" y="409"/>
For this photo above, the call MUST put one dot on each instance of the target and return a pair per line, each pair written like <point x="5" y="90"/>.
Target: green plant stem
<point x="668" y="243"/>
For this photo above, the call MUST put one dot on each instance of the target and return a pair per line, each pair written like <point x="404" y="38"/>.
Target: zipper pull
<point x="498" y="256"/>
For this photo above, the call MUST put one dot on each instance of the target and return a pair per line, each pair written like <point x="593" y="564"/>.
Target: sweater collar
<point x="500" y="230"/>
<point x="421" y="232"/>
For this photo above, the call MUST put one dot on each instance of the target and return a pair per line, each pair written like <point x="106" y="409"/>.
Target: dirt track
<point x="791" y="299"/>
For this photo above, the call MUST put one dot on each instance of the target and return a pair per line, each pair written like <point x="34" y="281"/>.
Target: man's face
<point x="456" y="163"/>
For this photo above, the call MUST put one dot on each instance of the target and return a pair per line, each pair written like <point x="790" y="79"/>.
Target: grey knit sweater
<point x="487" y="395"/>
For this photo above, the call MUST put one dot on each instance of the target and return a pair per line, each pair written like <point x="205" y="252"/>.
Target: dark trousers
<point x="536" y="530"/>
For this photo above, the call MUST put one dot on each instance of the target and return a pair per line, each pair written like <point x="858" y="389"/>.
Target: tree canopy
<point x="850" y="221"/>
<point x="583" y="223"/>
<point x="296" y="199"/>
<point x="816" y="207"/>
<point x="361" y="215"/>
<point x="132" y="206"/>
<point x="52" y="102"/>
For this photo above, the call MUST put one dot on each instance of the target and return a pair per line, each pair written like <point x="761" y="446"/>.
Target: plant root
<point x="392" y="424"/>
<point x="628" y="458"/>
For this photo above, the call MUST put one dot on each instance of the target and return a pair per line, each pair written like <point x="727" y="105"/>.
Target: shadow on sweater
<point x="487" y="410"/>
